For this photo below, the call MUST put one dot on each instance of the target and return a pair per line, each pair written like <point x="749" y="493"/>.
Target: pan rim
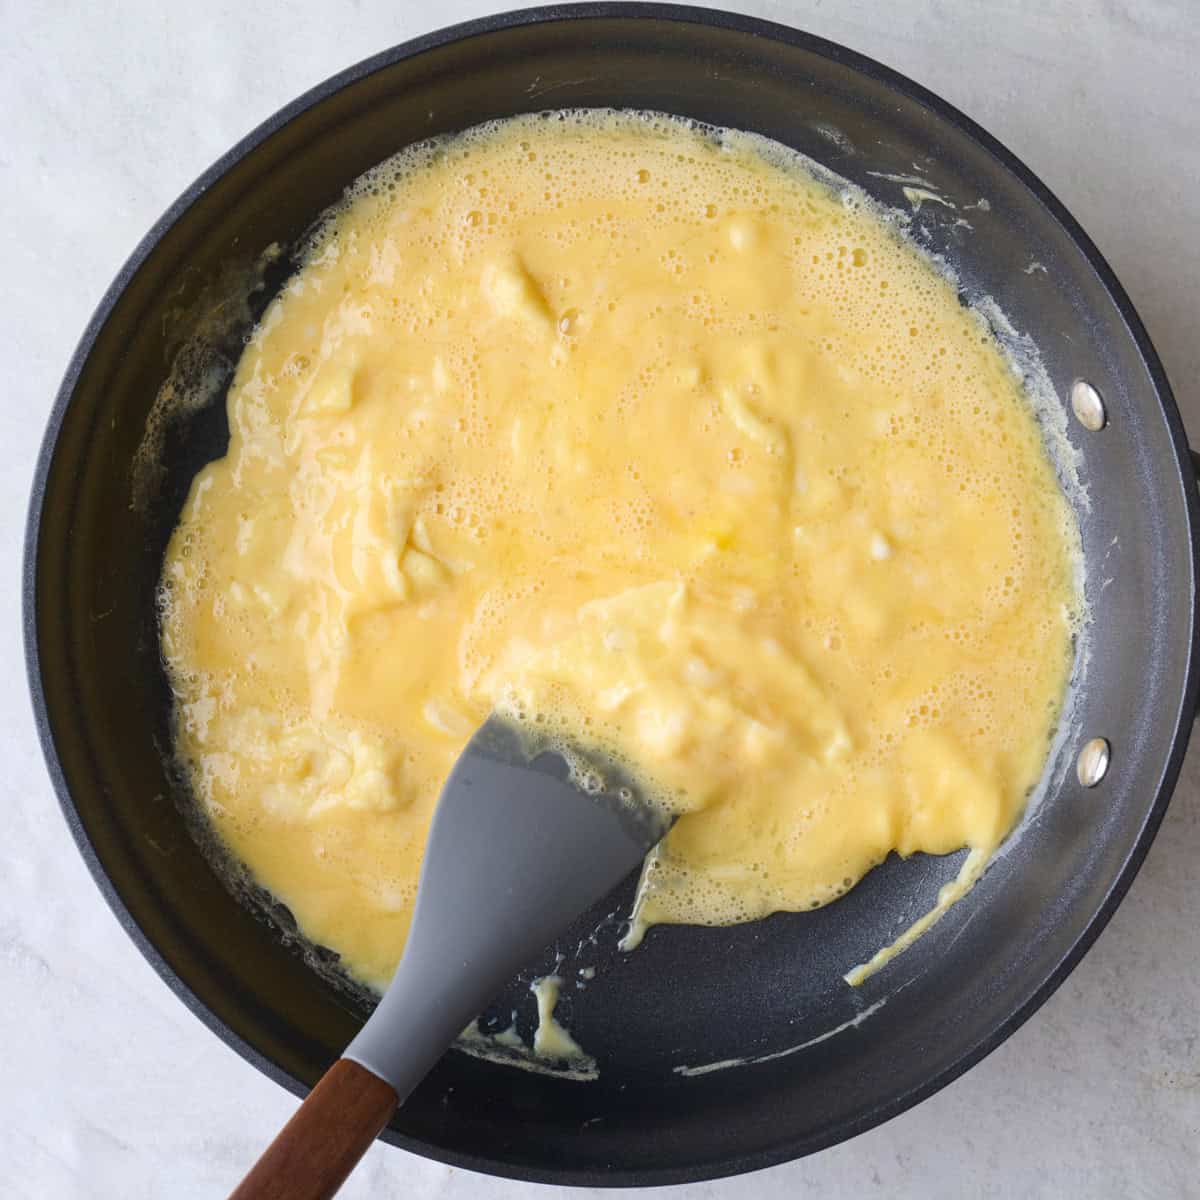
<point x="784" y="1150"/>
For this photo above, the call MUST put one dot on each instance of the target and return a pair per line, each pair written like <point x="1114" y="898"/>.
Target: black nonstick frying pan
<point x="687" y="997"/>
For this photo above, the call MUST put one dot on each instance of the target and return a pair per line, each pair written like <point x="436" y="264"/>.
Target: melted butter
<point x="649" y="438"/>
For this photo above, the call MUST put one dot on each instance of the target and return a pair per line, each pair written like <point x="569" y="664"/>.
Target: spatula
<point x="520" y="845"/>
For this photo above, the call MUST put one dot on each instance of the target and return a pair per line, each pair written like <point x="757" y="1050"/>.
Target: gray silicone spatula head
<point x="518" y="848"/>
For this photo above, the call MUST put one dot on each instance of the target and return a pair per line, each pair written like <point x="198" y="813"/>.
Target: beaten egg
<point x="651" y="437"/>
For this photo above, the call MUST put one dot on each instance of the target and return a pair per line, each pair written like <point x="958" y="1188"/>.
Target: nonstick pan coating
<point x="688" y="996"/>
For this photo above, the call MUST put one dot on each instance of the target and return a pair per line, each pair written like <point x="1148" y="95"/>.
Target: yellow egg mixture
<point x="642" y="433"/>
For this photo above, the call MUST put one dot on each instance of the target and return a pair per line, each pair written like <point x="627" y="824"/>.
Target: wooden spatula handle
<point x="321" y="1144"/>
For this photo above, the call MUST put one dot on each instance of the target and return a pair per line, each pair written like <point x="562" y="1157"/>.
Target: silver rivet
<point x="1092" y="764"/>
<point x="1087" y="406"/>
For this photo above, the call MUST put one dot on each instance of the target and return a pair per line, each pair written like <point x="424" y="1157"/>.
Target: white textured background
<point x="108" y="1087"/>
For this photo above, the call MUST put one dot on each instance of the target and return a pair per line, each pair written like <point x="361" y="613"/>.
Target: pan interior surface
<point x="104" y="508"/>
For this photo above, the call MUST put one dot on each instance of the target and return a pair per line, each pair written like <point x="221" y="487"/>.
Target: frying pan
<point x="688" y="997"/>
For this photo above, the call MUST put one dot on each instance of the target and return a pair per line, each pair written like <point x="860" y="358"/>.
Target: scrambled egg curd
<point x="645" y="435"/>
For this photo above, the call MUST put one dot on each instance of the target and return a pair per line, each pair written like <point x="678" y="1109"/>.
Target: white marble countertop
<point x="110" y="1087"/>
